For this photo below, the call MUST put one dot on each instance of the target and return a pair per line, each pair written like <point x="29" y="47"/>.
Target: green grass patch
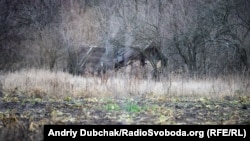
<point x="132" y="107"/>
<point x="111" y="106"/>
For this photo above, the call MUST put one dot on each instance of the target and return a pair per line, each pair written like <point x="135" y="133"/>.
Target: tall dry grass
<point x="48" y="84"/>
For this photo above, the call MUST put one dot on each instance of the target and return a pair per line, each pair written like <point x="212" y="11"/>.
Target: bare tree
<point x="205" y="37"/>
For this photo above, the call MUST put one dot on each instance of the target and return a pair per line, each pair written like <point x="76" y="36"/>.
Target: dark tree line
<point x="195" y="37"/>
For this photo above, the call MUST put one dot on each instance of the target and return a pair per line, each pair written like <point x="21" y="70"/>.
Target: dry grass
<point x="47" y="84"/>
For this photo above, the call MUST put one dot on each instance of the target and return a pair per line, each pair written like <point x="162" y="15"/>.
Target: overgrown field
<point x="31" y="98"/>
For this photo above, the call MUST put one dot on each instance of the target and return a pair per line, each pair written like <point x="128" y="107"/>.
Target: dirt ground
<point x="22" y="118"/>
